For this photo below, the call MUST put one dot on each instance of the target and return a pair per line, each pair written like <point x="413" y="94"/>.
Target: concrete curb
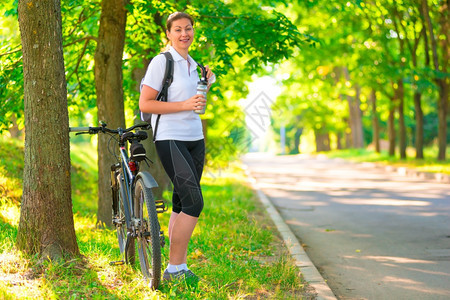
<point x="302" y="261"/>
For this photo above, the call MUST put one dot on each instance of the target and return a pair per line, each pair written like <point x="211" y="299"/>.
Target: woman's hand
<point x="194" y="103"/>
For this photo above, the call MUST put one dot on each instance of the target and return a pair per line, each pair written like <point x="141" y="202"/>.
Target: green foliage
<point x="364" y="38"/>
<point x="235" y="40"/>
<point x="11" y="81"/>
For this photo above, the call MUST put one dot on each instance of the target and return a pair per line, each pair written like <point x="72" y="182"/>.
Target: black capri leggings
<point x="183" y="162"/>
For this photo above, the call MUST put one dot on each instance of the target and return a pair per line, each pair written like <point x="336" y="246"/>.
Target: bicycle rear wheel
<point x="148" y="241"/>
<point x="121" y="226"/>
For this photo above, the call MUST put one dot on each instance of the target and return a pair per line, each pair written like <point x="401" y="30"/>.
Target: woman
<point x="179" y="140"/>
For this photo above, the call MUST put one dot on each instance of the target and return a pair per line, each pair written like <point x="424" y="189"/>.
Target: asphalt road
<point x="372" y="234"/>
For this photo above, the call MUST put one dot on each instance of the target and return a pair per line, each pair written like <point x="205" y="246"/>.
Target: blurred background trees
<point x="380" y="72"/>
<point x="353" y="73"/>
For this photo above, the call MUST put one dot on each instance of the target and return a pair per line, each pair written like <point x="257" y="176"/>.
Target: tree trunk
<point x="359" y="136"/>
<point x="297" y="136"/>
<point x="109" y="90"/>
<point x="46" y="221"/>
<point x="375" y="122"/>
<point x="338" y="140"/>
<point x="419" y="125"/>
<point x="322" y="141"/>
<point x="441" y="82"/>
<point x="400" y="91"/>
<point x="355" y="115"/>
<point x="418" y="112"/>
<point x="391" y="128"/>
<point x="156" y="169"/>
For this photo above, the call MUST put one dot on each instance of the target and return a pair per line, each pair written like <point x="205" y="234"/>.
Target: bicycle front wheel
<point x="148" y="241"/>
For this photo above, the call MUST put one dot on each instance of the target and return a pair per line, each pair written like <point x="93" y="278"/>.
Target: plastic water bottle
<point x="202" y="89"/>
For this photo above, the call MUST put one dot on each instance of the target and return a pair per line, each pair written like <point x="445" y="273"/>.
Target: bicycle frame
<point x="128" y="179"/>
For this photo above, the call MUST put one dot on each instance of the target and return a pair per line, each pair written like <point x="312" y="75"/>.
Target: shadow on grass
<point x="77" y="279"/>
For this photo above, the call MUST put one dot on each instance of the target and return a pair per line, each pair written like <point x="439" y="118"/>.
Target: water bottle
<point x="202" y="89"/>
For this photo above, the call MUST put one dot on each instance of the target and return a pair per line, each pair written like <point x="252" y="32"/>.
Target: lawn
<point x="235" y="249"/>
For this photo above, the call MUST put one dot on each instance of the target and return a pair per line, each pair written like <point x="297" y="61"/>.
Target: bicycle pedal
<point x="160" y="206"/>
<point x="116" y="263"/>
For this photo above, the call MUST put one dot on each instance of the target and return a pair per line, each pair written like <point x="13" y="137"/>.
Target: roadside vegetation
<point x="235" y="249"/>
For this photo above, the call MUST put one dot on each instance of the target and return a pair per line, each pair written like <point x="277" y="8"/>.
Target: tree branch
<point x="79" y="59"/>
<point x="86" y="38"/>
<point x="10" y="52"/>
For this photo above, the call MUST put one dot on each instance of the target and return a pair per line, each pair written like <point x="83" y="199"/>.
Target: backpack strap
<point x="167" y="81"/>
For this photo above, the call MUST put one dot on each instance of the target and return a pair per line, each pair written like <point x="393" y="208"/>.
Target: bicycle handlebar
<point x="104" y="129"/>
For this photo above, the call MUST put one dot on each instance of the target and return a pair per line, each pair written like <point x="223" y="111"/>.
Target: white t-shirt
<point x="185" y="125"/>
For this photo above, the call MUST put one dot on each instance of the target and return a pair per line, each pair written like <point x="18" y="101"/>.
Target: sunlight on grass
<point x="235" y="249"/>
<point x="9" y="213"/>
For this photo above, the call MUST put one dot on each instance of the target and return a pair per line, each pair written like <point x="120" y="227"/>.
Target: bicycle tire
<point x="121" y="227"/>
<point x="148" y="240"/>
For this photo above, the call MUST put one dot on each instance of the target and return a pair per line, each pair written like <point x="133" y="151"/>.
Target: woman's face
<point x="181" y="34"/>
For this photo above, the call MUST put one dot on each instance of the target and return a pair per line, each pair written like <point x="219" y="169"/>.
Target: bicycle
<point x="135" y="211"/>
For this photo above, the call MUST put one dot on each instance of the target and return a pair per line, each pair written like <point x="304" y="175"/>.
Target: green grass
<point x="429" y="164"/>
<point x="235" y="249"/>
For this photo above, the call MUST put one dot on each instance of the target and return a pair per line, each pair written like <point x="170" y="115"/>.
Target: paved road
<point x="372" y="234"/>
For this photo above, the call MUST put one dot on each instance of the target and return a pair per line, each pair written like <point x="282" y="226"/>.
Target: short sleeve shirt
<point x="184" y="125"/>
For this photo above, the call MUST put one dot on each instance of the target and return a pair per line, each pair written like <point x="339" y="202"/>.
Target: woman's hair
<point x="177" y="16"/>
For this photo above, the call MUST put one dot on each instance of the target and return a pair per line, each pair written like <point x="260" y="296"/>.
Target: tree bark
<point x="375" y="122"/>
<point x="109" y="90"/>
<point x="46" y="221"/>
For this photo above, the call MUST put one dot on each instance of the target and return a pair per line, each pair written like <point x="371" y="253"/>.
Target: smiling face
<point x="181" y="34"/>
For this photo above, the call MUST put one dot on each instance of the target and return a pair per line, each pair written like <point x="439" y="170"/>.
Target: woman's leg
<point x="173" y="217"/>
<point x="182" y="162"/>
<point x="181" y="234"/>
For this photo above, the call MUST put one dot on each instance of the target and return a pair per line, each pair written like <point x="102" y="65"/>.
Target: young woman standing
<point x="179" y="140"/>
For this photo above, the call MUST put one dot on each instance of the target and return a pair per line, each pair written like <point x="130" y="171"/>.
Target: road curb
<point x="302" y="261"/>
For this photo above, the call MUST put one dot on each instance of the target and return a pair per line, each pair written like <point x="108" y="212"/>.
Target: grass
<point x="429" y="164"/>
<point x="235" y="248"/>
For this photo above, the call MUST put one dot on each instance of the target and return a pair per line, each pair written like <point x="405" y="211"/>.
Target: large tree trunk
<point x="375" y="122"/>
<point x="46" y="221"/>
<point x="109" y="90"/>
<point x="441" y="82"/>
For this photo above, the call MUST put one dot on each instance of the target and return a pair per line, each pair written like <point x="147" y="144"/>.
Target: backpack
<point x="162" y="95"/>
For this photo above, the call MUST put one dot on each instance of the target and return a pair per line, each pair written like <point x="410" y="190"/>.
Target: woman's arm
<point x="149" y="104"/>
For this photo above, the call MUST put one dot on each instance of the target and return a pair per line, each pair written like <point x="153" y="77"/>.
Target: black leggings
<point x="183" y="162"/>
